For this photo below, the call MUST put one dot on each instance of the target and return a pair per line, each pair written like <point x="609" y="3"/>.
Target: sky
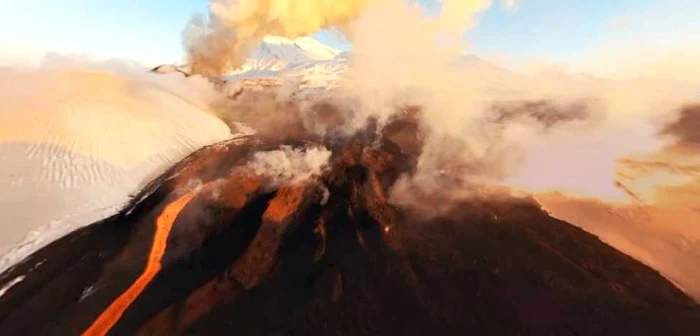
<point x="149" y="31"/>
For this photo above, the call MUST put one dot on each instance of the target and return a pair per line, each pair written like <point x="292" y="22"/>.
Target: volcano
<point x="217" y="246"/>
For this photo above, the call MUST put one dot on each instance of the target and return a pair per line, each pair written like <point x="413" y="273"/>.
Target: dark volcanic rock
<point x="333" y="256"/>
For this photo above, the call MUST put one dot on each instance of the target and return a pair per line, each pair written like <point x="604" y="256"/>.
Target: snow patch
<point x="10" y="284"/>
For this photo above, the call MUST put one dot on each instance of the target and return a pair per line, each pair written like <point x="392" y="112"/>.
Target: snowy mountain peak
<point x="306" y="46"/>
<point x="278" y="53"/>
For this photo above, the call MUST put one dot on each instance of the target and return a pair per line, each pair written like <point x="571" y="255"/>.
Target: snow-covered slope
<point x="74" y="145"/>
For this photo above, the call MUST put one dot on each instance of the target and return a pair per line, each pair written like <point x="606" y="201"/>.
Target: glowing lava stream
<point x="164" y="223"/>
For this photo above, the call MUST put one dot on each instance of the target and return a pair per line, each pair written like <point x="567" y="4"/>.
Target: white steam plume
<point x="289" y="164"/>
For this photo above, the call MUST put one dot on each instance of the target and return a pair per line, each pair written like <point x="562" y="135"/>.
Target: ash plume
<point x="221" y="43"/>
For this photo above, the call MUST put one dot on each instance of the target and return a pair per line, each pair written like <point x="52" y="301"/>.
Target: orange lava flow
<point x="114" y="312"/>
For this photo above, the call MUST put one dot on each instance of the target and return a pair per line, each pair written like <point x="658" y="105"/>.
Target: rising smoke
<point x="510" y="126"/>
<point x="287" y="164"/>
<point x="548" y="132"/>
<point x="222" y="43"/>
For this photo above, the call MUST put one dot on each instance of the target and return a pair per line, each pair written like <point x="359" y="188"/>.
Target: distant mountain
<point x="305" y="59"/>
<point x="279" y="53"/>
